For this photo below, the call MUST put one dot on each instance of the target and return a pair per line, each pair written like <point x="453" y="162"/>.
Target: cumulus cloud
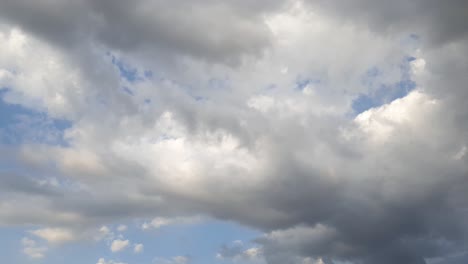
<point x="104" y="232"/>
<point x="138" y="248"/>
<point x="119" y="245"/>
<point x="55" y="235"/>
<point x="336" y="129"/>
<point x="239" y="253"/>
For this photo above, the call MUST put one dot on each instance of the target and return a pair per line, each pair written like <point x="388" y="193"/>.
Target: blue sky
<point x="19" y="124"/>
<point x="198" y="241"/>
<point x="383" y="93"/>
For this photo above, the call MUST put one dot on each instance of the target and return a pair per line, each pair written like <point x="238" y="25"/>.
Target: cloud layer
<point x="336" y="129"/>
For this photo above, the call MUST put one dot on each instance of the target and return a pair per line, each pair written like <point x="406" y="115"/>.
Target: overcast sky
<point x="234" y="132"/>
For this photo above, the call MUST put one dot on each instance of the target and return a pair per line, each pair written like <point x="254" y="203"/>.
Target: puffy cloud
<point x="237" y="252"/>
<point x="138" y="248"/>
<point x="104" y="233"/>
<point x="55" y="235"/>
<point x="119" y="245"/>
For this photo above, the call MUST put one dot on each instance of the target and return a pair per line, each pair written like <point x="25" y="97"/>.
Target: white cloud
<point x="173" y="260"/>
<point x="122" y="228"/>
<point x="461" y="153"/>
<point x="254" y="252"/>
<point x="181" y="260"/>
<point x="309" y="260"/>
<point x="418" y="66"/>
<point x="104" y="232"/>
<point x="156" y="223"/>
<point x="159" y="222"/>
<point x="32" y="250"/>
<point x="138" y="248"/>
<point x="55" y="235"/>
<point x="103" y="261"/>
<point x="119" y="245"/>
<point x="237" y="253"/>
<point x="261" y="103"/>
<point x="382" y="122"/>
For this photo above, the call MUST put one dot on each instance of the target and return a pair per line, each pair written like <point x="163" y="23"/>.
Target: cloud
<point x="148" y="33"/>
<point x="119" y="245"/>
<point x="159" y="222"/>
<point x="138" y="248"/>
<point x="239" y="253"/>
<point x="173" y="260"/>
<point x="403" y="16"/>
<point x="32" y="250"/>
<point x="251" y="121"/>
<point x="55" y="235"/>
<point x="156" y="223"/>
<point x="104" y="233"/>
<point x="103" y="261"/>
<point x="122" y="228"/>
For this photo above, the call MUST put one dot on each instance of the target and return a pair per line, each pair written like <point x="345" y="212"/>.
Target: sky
<point x="234" y="132"/>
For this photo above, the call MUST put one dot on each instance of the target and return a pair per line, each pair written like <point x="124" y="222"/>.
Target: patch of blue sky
<point x="196" y="94"/>
<point x="128" y="91"/>
<point x="373" y="72"/>
<point x="200" y="242"/>
<point x="10" y="243"/>
<point x="199" y="98"/>
<point x="383" y="93"/>
<point x="19" y="125"/>
<point x="414" y="36"/>
<point x="302" y="82"/>
<point x="411" y="42"/>
<point x="201" y="92"/>
<point x="79" y="253"/>
<point x="70" y="253"/>
<point x="148" y="74"/>
<point x="129" y="72"/>
<point x="410" y="58"/>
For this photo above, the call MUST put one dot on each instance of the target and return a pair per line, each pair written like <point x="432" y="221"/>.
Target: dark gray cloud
<point x="207" y="30"/>
<point x="439" y="22"/>
<point x="12" y="183"/>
